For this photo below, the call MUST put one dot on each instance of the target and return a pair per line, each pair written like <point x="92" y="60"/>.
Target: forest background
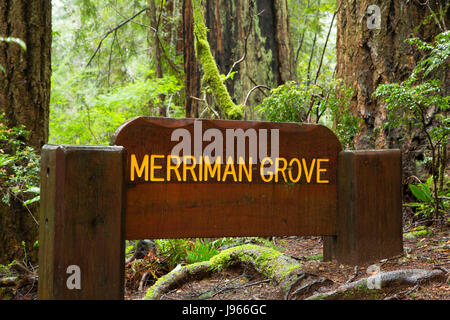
<point x="378" y="79"/>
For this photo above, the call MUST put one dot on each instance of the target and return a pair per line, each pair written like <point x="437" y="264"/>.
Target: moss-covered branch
<point x="211" y="72"/>
<point x="269" y="262"/>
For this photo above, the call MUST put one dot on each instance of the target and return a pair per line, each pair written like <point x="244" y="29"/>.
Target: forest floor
<point x="244" y="283"/>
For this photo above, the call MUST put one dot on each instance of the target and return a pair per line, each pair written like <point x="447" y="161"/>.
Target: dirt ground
<point x="244" y="283"/>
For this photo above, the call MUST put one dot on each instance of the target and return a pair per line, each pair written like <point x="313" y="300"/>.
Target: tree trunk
<point x="25" y="85"/>
<point x="24" y="98"/>
<point x="191" y="69"/>
<point x="269" y="55"/>
<point x="367" y="58"/>
<point x="155" y="52"/>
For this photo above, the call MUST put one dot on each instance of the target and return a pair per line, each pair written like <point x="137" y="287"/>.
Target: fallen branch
<point x="382" y="280"/>
<point x="9" y="281"/>
<point x="293" y="284"/>
<point x="269" y="262"/>
<point x="309" y="287"/>
<point x="354" y="275"/>
<point x="403" y="293"/>
<point x="17" y="281"/>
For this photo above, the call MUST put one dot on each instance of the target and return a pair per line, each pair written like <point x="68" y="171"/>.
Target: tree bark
<point x="24" y="98"/>
<point x="153" y="41"/>
<point x="269" y="55"/>
<point x="191" y="69"/>
<point x="25" y="85"/>
<point x="367" y="58"/>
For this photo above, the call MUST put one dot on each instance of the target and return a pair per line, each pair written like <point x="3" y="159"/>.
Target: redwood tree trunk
<point x="25" y="86"/>
<point x="191" y="69"/>
<point x="269" y="58"/>
<point x="367" y="58"/>
<point x="24" y="98"/>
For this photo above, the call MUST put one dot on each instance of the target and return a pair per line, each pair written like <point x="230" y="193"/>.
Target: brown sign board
<point x="215" y="178"/>
<point x="95" y="197"/>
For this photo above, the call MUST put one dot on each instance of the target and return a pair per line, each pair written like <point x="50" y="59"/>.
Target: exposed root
<point x="269" y="262"/>
<point x="372" y="285"/>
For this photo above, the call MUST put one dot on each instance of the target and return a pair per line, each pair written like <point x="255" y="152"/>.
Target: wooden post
<point x="81" y="240"/>
<point x="369" y="218"/>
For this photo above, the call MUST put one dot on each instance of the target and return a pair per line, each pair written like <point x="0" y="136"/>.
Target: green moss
<point x="318" y="257"/>
<point x="267" y="261"/>
<point x="211" y="72"/>
<point x="418" y="232"/>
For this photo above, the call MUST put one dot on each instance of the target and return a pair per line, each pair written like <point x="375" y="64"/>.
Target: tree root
<point x="372" y="285"/>
<point x="287" y="274"/>
<point x="269" y="262"/>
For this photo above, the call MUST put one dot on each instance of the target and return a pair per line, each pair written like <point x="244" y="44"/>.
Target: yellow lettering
<point x="270" y="173"/>
<point x="278" y="169"/>
<point x="200" y="169"/>
<point x="172" y="167"/>
<point x="190" y="168"/>
<point x="308" y="175"/>
<point x="211" y="170"/>
<point x="319" y="170"/>
<point x="139" y="170"/>
<point x="299" y="174"/>
<point x="153" y="166"/>
<point x="229" y="169"/>
<point x="248" y="172"/>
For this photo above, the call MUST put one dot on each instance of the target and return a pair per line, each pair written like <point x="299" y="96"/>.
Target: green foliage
<point x="345" y="124"/>
<point x="178" y="251"/>
<point x="187" y="250"/>
<point x="130" y="246"/>
<point x="437" y="54"/>
<point x="413" y="102"/>
<point x="311" y="19"/>
<point x="300" y="102"/>
<point x="89" y="102"/>
<point x="426" y="204"/>
<point x="175" y="250"/>
<point x="96" y="114"/>
<point x="288" y="102"/>
<point x="203" y="250"/>
<point x="418" y="102"/>
<point x="19" y="166"/>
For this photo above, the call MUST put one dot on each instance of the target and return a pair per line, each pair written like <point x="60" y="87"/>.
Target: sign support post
<point x="369" y="217"/>
<point x="81" y="239"/>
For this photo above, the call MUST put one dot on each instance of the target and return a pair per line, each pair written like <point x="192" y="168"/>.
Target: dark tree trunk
<point x="24" y="98"/>
<point x="367" y="58"/>
<point x="25" y="86"/>
<point x="191" y="69"/>
<point x="269" y="58"/>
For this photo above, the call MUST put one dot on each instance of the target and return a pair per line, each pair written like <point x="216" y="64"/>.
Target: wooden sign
<point x="172" y="178"/>
<point x="211" y="178"/>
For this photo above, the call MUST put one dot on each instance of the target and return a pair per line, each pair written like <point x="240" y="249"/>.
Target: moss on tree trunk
<point x="267" y="48"/>
<point x="211" y="75"/>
